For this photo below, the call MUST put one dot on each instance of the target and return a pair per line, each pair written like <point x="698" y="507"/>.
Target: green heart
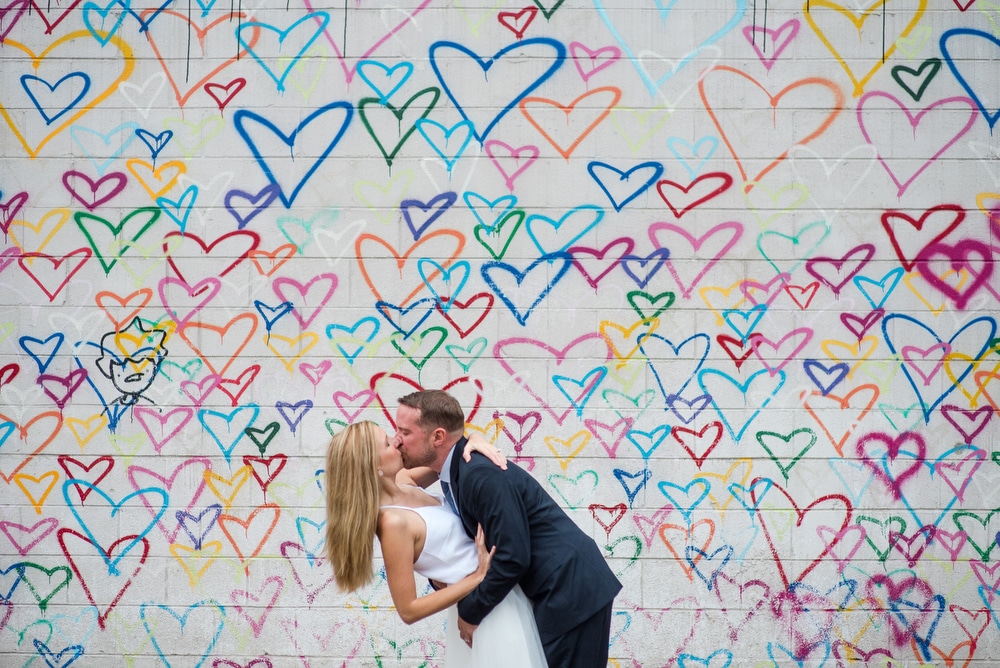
<point x="933" y="63"/>
<point x="262" y="437"/>
<point x="398" y="112"/>
<point x="5" y="330"/>
<point x="190" y="369"/>
<point x="184" y="130"/>
<point x="885" y="526"/>
<point x="786" y="440"/>
<point x="995" y="345"/>
<point x="467" y="355"/>
<point x="573" y="487"/>
<point x="612" y="551"/>
<point x="334" y="425"/>
<point x="795" y="248"/>
<point x="625" y="405"/>
<point x="127" y="446"/>
<point x="991" y="534"/>
<point x="287" y="225"/>
<point x="656" y="304"/>
<point x="417" y="352"/>
<point x="496" y="236"/>
<point x="913" y="410"/>
<point x="86" y="222"/>
<point x="36" y="584"/>
<point x="996" y="458"/>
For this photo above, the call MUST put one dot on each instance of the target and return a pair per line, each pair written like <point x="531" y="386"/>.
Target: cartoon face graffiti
<point x="131" y="359"/>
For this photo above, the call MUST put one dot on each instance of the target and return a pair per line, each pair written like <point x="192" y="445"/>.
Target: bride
<point x="369" y="494"/>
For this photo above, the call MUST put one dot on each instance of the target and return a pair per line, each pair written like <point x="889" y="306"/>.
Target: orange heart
<point x="688" y="536"/>
<point x="268" y="511"/>
<point x="30" y="435"/>
<point x="774" y="100"/>
<point x="130" y="305"/>
<point x="225" y="21"/>
<point x="226" y="347"/>
<point x="274" y="259"/>
<point x="847" y="405"/>
<point x="408" y="274"/>
<point x="570" y="136"/>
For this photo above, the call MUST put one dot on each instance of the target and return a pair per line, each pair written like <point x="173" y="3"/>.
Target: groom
<point x="538" y="546"/>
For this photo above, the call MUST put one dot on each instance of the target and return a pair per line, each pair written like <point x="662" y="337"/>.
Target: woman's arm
<point x="396" y="540"/>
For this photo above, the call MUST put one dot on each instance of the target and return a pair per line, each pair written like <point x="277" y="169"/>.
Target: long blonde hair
<point x="352" y="504"/>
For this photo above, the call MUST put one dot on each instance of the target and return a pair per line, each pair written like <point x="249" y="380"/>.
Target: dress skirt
<point x="506" y="637"/>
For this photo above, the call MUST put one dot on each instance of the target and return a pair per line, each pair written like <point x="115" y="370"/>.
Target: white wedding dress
<point x="508" y="635"/>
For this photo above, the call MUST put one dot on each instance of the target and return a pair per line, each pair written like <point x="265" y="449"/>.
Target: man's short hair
<point x="437" y="409"/>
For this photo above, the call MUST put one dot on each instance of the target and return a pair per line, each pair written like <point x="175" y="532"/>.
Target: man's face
<point x="415" y="444"/>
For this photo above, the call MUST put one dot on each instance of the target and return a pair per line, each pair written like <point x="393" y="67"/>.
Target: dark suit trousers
<point x="584" y="646"/>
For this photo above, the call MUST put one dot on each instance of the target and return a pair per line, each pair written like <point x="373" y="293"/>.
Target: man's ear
<point x="439" y="436"/>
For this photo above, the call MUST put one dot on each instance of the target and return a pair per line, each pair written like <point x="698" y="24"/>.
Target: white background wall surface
<point x="719" y="273"/>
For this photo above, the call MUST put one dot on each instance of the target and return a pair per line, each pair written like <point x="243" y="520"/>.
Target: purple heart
<point x="826" y="378"/>
<point x="436" y="206"/>
<point x="195" y="526"/>
<point x="97" y="192"/>
<point x="642" y="269"/>
<point x="292" y="414"/>
<point x="257" y="203"/>
<point x="686" y="410"/>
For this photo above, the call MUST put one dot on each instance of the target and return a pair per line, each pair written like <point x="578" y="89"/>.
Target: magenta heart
<point x="10" y="209"/>
<point x="858" y="325"/>
<point x="9" y="16"/>
<point x="973" y="256"/>
<point x="93" y="194"/>
<point x="910" y="444"/>
<point x="835" y="273"/>
<point x="8" y="256"/>
<point x="532" y="419"/>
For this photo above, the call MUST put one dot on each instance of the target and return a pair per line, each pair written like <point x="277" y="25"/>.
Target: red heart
<point x="408" y="385"/>
<point x="223" y="94"/>
<point x="953" y="211"/>
<point x="77" y="470"/>
<point x="702" y="194"/>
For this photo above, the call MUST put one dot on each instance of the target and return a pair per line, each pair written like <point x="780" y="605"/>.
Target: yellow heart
<point x="877" y="9"/>
<point x="571" y="447"/>
<point x="151" y="177"/>
<point x="46" y="226"/>
<point x="219" y="484"/>
<point x="853" y="352"/>
<point x="292" y="349"/>
<point x="124" y="49"/>
<point x="725" y="302"/>
<point x="742" y="468"/>
<point x="85" y="429"/>
<point x="196" y="562"/>
<point x="45" y="482"/>
<point x="621" y="339"/>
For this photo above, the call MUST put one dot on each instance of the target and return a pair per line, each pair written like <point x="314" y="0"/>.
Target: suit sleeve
<point x="491" y="499"/>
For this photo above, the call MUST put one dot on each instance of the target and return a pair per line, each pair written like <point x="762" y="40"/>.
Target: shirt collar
<point x="445" y="473"/>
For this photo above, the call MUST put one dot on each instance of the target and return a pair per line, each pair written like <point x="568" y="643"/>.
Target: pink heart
<point x="510" y="154"/>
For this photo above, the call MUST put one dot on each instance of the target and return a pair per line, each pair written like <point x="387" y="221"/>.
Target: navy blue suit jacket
<point x="559" y="567"/>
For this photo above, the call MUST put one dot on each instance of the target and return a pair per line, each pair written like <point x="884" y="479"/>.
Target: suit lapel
<point x="457" y="467"/>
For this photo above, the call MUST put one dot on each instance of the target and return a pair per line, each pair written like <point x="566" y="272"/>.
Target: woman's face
<point x="389" y="459"/>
